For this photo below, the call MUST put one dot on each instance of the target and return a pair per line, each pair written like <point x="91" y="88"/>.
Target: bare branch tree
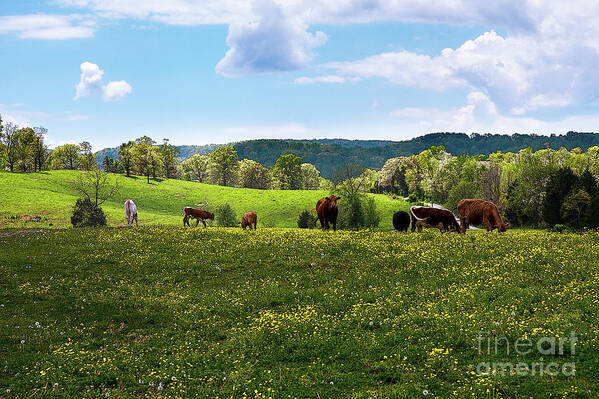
<point x="95" y="186"/>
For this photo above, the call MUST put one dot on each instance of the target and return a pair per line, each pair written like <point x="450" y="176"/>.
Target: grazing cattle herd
<point x="472" y="212"/>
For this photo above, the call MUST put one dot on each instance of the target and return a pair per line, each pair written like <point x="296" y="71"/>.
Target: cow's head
<point x="210" y="215"/>
<point x="333" y="200"/>
<point x="502" y="227"/>
<point x="453" y="224"/>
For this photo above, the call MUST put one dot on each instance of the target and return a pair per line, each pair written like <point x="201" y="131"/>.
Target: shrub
<point x="560" y="228"/>
<point x="412" y="197"/>
<point x="371" y="217"/>
<point x="305" y="220"/>
<point x="86" y="214"/>
<point x="351" y="214"/>
<point x="225" y="216"/>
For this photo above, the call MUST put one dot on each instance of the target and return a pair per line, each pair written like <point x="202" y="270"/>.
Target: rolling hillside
<point x="331" y="154"/>
<point x="46" y="199"/>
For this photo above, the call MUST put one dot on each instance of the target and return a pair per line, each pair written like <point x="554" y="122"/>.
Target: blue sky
<point x="198" y="71"/>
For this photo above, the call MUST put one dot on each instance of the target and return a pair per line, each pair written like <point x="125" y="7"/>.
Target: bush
<point x="86" y="214"/>
<point x="305" y="220"/>
<point x="371" y="217"/>
<point x="412" y="197"/>
<point x="560" y="228"/>
<point x="225" y="216"/>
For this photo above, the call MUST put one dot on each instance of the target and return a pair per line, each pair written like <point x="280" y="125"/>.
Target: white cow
<point x="130" y="212"/>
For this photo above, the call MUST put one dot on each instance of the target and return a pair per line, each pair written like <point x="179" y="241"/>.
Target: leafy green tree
<point x="9" y="141"/>
<point x="144" y="156"/>
<point x="126" y="156"/>
<point x="251" y="174"/>
<point x="574" y="206"/>
<point x="169" y="154"/>
<point x="310" y="177"/>
<point x="65" y="157"/>
<point x="39" y="149"/>
<point x="111" y="165"/>
<point x="196" y="167"/>
<point x="223" y="165"/>
<point x="288" y="171"/>
<point x="87" y="159"/>
<point x="558" y="187"/>
<point x="25" y="139"/>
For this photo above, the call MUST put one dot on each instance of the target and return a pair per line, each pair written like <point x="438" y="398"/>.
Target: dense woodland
<point x="532" y="183"/>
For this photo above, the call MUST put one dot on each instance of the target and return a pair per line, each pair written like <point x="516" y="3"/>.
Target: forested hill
<point x="327" y="155"/>
<point x="330" y="154"/>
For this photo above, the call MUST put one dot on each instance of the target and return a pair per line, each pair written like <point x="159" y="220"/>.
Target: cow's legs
<point x="464" y="225"/>
<point x="413" y="223"/>
<point x="487" y="223"/>
<point x="136" y="225"/>
<point x="335" y="225"/>
<point x="255" y="225"/>
<point x="203" y="221"/>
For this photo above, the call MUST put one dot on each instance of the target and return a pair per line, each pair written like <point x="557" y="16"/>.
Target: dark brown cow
<point x="198" y="214"/>
<point x="477" y="211"/>
<point x="443" y="219"/>
<point x="249" y="219"/>
<point x="401" y="221"/>
<point x="326" y="209"/>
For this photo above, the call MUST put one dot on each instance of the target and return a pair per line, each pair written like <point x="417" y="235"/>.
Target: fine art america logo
<point x="553" y="348"/>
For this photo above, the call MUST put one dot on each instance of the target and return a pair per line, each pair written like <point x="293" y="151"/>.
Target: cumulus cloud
<point x="116" y="91"/>
<point x="48" y="27"/>
<point x="519" y="74"/>
<point x="276" y="42"/>
<point x="90" y="84"/>
<point x="479" y="115"/>
<point x="325" y="79"/>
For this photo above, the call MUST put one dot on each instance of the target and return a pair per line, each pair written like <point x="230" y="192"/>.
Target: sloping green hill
<point x="46" y="199"/>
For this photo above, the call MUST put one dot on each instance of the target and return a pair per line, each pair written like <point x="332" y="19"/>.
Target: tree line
<point x="545" y="187"/>
<point x="532" y="188"/>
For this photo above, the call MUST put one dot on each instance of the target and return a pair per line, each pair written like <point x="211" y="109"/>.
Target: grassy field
<point x="46" y="199"/>
<point x="287" y="313"/>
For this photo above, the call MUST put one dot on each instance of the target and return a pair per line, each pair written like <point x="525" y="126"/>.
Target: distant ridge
<point x="330" y="154"/>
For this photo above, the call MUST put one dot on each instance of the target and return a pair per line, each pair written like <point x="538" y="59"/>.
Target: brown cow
<point x="249" y="219"/>
<point x="326" y="209"/>
<point x="198" y="214"/>
<point x="477" y="211"/>
<point x="443" y="219"/>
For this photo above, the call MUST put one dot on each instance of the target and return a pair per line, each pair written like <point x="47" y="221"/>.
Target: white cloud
<point x="325" y="79"/>
<point x="519" y="73"/>
<point x="116" y="91"/>
<point x="276" y="42"/>
<point x="48" y="27"/>
<point x="90" y="84"/>
<point x="22" y="117"/>
<point x="479" y="115"/>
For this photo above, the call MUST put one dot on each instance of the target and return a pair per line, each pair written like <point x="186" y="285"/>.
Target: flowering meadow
<point x="286" y="313"/>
